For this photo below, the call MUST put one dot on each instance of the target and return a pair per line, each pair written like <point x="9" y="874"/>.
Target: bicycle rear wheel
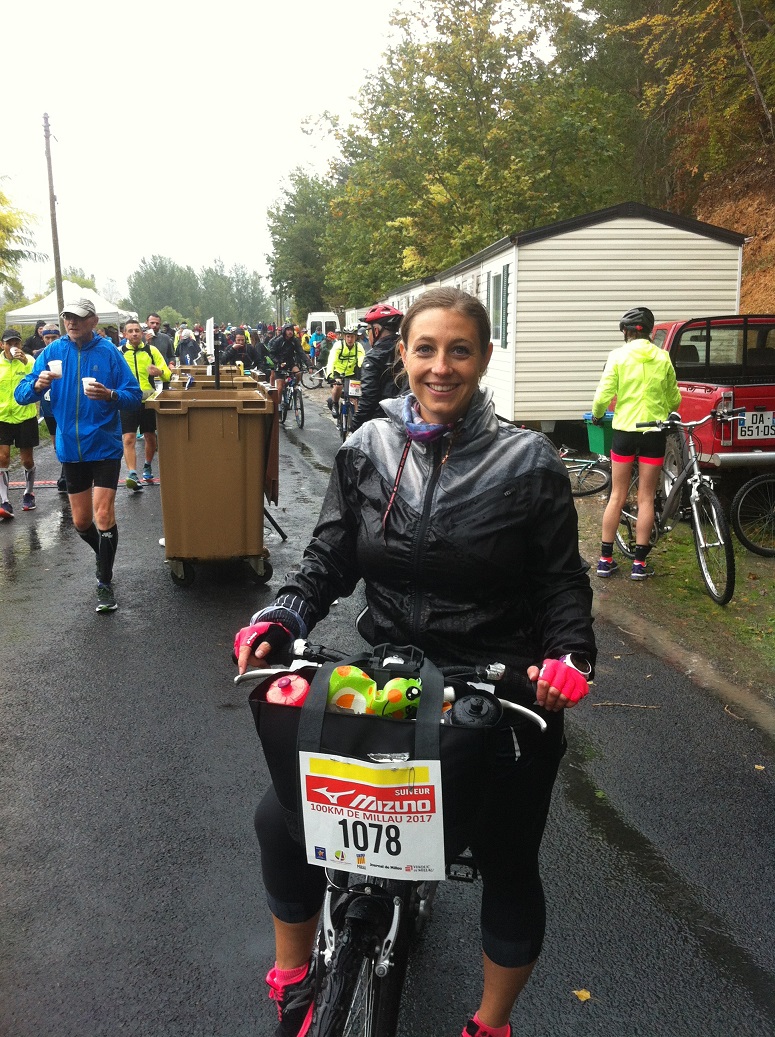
<point x="713" y="544"/>
<point x="585" y="478"/>
<point x="753" y="515"/>
<point x="625" y="534"/>
<point x="298" y="407"/>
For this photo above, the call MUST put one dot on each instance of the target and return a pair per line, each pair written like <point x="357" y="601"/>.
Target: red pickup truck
<point x="727" y="360"/>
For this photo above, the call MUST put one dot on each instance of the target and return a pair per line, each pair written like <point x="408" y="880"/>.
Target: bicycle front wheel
<point x="283" y="407"/>
<point x="353" y="1000"/>
<point x="713" y="544"/>
<point x="753" y="515"/>
<point x="345" y="412"/>
<point x="298" y="407"/>
<point x="586" y="479"/>
<point x="312" y="379"/>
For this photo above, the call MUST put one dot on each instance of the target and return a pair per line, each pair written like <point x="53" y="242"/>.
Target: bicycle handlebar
<point x="305" y="654"/>
<point x="674" y="420"/>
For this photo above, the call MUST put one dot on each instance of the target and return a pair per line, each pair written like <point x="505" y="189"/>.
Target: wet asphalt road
<point x="129" y="769"/>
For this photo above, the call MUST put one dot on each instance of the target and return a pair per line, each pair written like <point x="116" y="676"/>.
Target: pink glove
<point x="569" y="682"/>
<point x="274" y="633"/>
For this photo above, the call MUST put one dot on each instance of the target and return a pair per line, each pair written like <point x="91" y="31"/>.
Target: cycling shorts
<point x="82" y="475"/>
<point x="21" y="434"/>
<point x="649" y="447"/>
<point x="144" y="419"/>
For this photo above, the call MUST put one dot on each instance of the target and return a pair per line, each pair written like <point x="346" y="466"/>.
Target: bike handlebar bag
<point x="465" y="753"/>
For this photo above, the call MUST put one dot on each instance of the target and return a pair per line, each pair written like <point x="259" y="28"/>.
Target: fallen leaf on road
<point x="758" y="767"/>
<point x="582" y="995"/>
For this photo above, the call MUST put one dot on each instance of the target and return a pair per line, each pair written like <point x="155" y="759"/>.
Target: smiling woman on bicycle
<point x="464" y="532"/>
<point x="642" y="378"/>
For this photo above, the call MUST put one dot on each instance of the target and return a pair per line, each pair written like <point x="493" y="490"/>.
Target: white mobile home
<point x="555" y="295"/>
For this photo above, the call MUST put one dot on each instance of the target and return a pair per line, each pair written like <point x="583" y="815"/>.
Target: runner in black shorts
<point x="89" y="382"/>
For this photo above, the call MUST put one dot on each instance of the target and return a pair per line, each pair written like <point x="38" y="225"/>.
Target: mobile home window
<point x="496" y="302"/>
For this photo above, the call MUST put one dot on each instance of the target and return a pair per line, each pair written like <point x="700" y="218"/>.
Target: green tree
<point x="710" y="69"/>
<point x="77" y="276"/>
<point x="159" y="282"/>
<point x="297" y="224"/>
<point x="170" y="316"/>
<point x="16" y="246"/>
<point x="464" y="134"/>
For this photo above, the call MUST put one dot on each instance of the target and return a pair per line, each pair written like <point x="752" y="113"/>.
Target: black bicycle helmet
<point x="640" y="318"/>
<point x="384" y="315"/>
<point x="350" y="330"/>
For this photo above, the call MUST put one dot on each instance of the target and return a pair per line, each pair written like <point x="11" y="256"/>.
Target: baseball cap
<point x="81" y="308"/>
<point x="10" y="334"/>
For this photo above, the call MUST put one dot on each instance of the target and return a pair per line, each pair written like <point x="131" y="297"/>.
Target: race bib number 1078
<point x="382" y="818"/>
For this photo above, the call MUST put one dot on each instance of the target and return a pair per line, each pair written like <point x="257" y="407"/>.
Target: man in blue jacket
<point x="89" y="383"/>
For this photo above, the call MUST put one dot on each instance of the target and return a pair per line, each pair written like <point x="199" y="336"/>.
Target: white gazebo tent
<point x="47" y="309"/>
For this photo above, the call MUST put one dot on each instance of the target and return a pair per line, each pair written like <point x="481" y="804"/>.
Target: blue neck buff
<point x="418" y="430"/>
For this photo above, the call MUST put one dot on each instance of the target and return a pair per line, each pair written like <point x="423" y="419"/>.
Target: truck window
<point x="316" y="326"/>
<point x="658" y="338"/>
<point x="330" y="326"/>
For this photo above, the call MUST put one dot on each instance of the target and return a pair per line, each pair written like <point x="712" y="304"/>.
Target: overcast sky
<point x="175" y="123"/>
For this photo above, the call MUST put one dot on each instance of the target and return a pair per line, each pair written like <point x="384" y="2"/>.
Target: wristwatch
<point x="113" y="395"/>
<point x="578" y="662"/>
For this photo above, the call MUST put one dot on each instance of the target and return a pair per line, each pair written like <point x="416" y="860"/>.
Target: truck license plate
<point x="756" y="424"/>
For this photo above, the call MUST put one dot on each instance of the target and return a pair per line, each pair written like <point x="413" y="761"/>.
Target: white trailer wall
<point x="573" y="287"/>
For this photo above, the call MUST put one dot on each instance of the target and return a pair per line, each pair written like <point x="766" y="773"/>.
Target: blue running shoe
<point x="606" y="567"/>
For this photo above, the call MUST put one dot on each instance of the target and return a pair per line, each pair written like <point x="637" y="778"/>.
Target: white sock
<point x="29" y="479"/>
<point x="3" y="485"/>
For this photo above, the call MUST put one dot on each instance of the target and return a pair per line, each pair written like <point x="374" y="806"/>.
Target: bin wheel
<point x="263" y="577"/>
<point x="182" y="573"/>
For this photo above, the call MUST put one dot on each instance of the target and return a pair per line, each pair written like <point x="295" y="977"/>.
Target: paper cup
<point x="87" y="382"/>
<point x="55" y="367"/>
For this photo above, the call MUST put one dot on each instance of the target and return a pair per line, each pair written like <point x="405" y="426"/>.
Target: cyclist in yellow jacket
<point x="642" y="378"/>
<point x="344" y="361"/>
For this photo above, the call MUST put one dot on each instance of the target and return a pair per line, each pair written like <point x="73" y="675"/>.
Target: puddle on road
<point x="674" y="894"/>
<point x="311" y="459"/>
<point x="21" y="538"/>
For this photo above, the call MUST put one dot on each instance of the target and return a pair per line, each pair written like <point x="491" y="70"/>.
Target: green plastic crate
<point x="600" y="436"/>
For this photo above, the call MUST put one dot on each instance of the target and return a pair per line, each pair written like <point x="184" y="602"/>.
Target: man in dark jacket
<point x="33" y="345"/>
<point x="244" y="352"/>
<point x="377" y="376"/>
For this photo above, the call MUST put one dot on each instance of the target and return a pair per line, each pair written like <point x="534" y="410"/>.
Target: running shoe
<point x="147" y="473"/>
<point x="640" y="571"/>
<point x="106" y="602"/>
<point x="6" y="509"/>
<point x="473" y="1029"/>
<point x="28" y="502"/>
<point x="606" y="567"/>
<point x="294" y="1003"/>
<point x="133" y="482"/>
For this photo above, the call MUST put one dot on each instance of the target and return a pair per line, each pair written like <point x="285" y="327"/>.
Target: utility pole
<point x="54" y="233"/>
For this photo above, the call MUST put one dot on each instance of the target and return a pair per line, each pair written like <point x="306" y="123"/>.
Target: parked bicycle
<point x="587" y="475"/>
<point x="314" y="377"/>
<point x="292" y="397"/>
<point x="686" y="492"/>
<point x="369" y="921"/>
<point x="753" y="514"/>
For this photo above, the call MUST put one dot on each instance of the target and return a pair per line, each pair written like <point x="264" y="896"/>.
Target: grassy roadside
<point x="738" y="640"/>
